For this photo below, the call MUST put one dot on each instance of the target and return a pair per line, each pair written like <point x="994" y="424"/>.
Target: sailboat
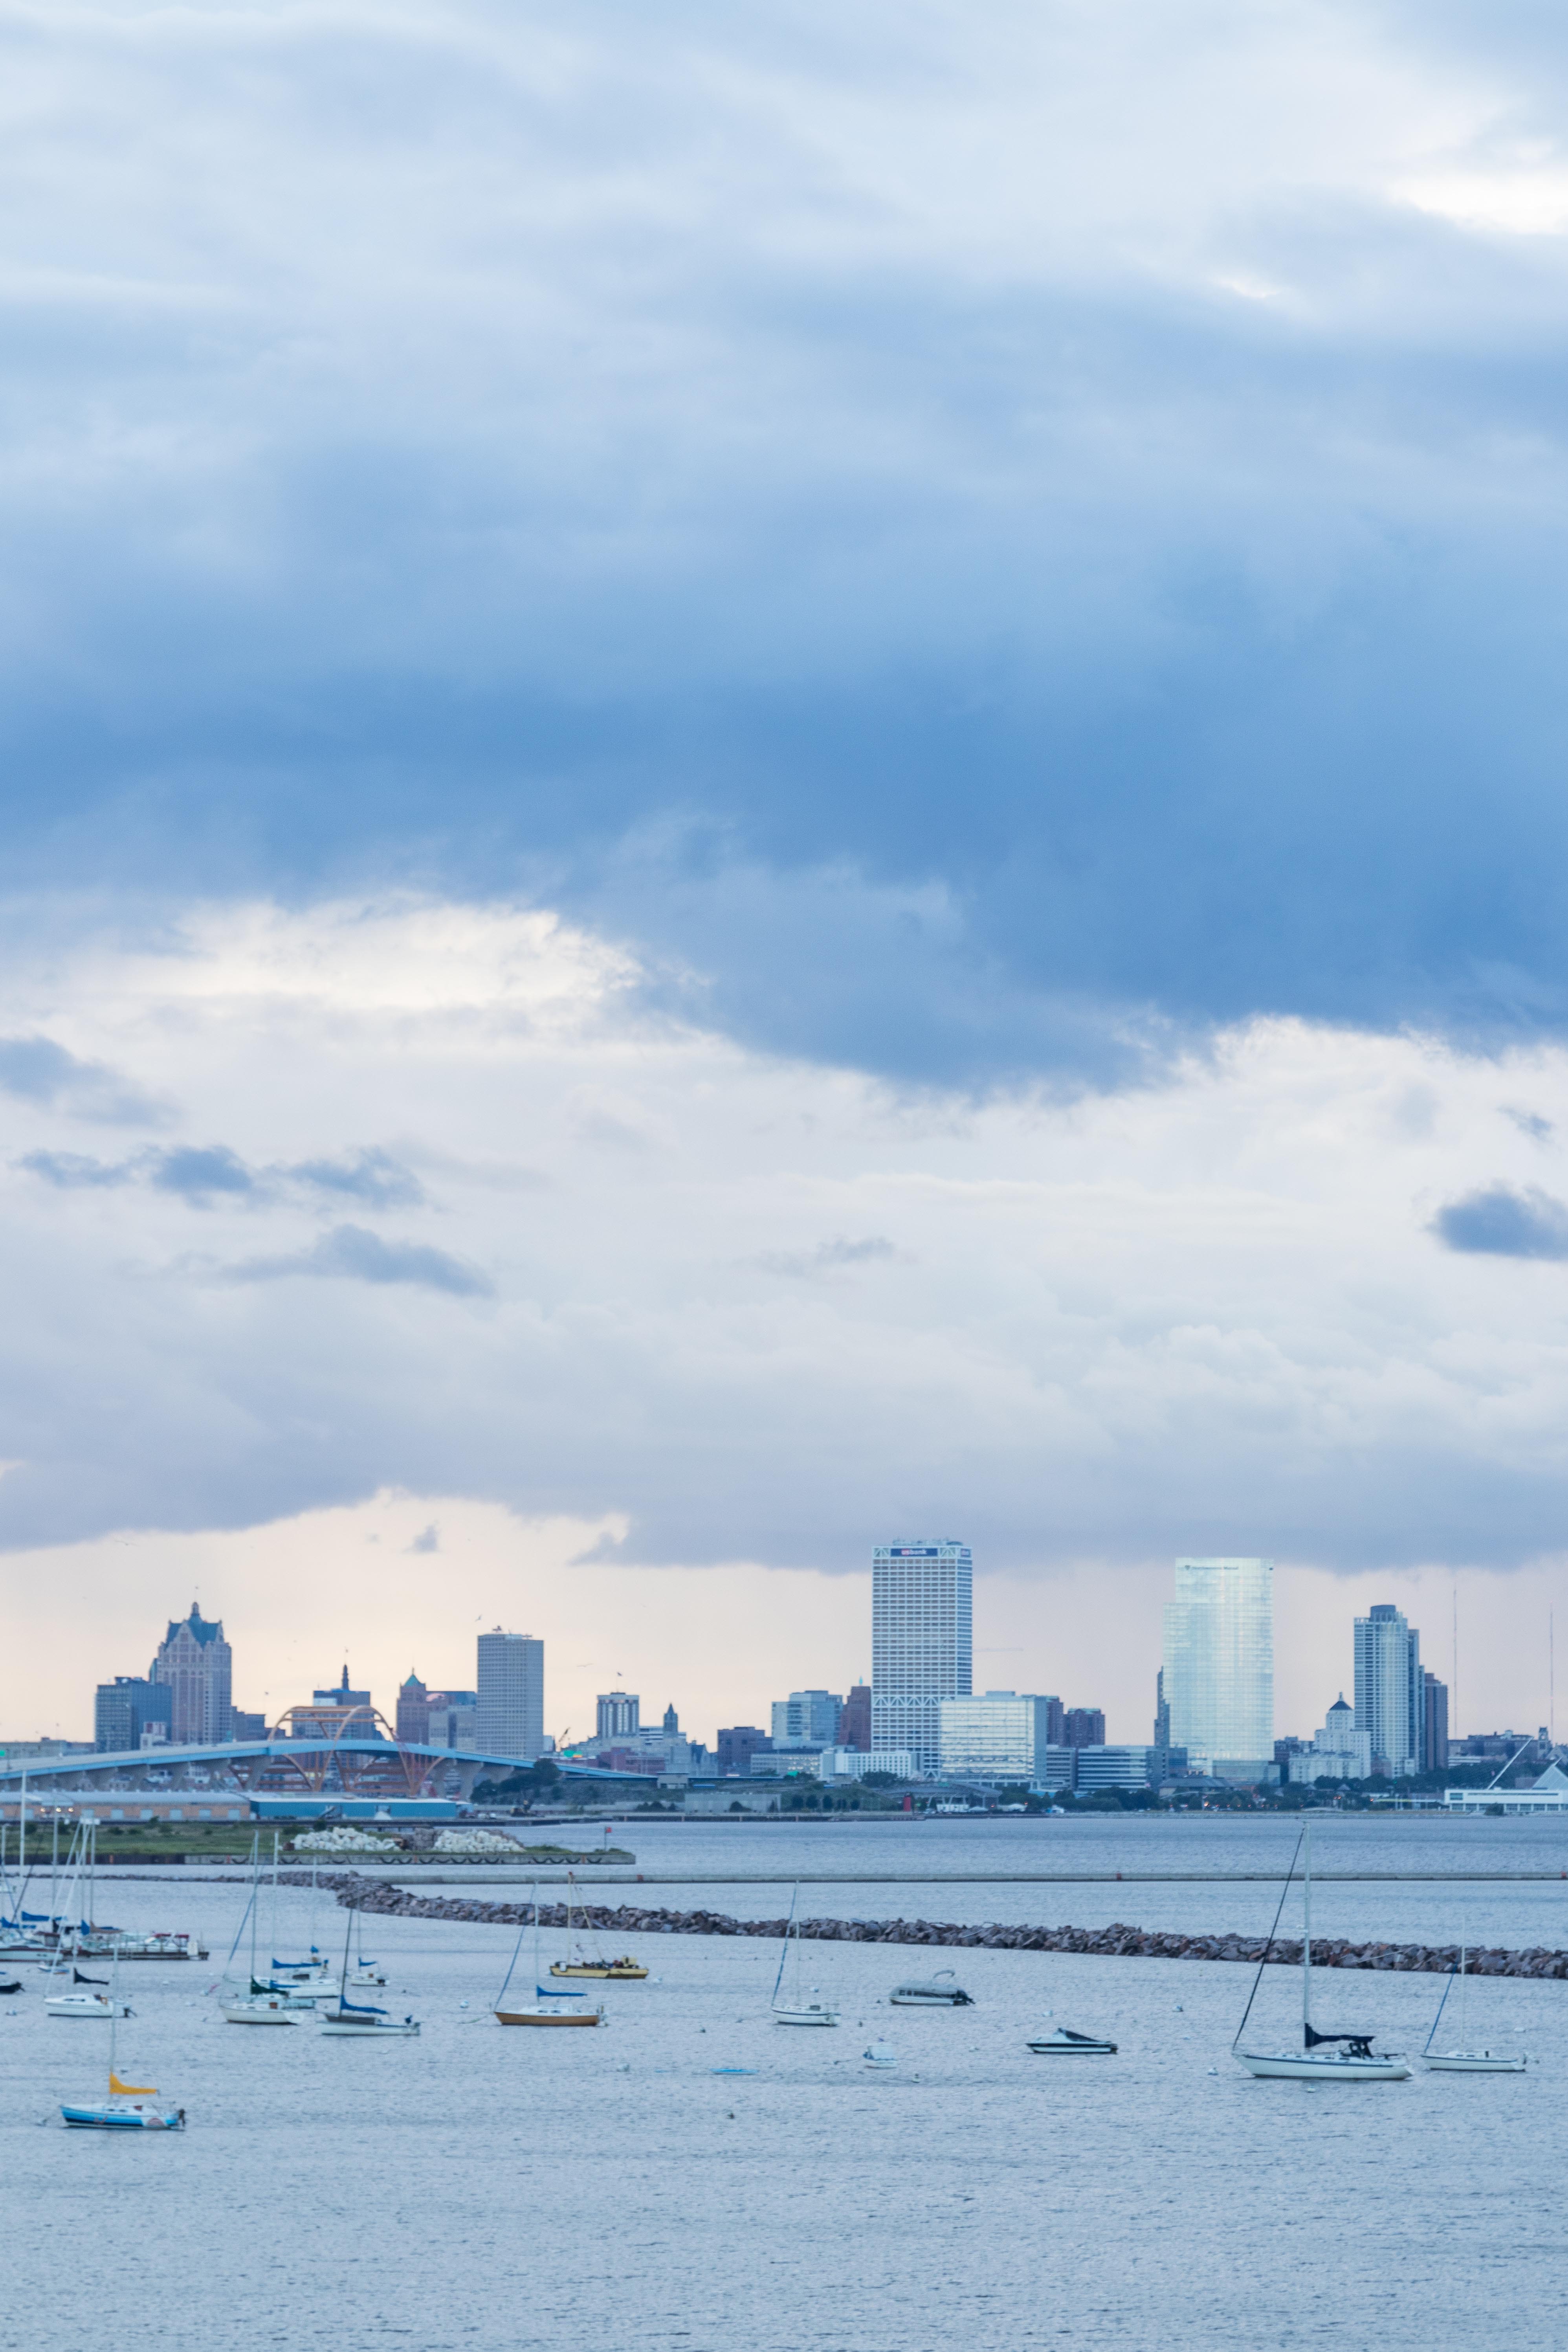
<point x="1466" y="2062"/>
<point x="353" y="2017"/>
<point x="625" y="1970"/>
<point x="1317" y="2059"/>
<point x="543" y="2008"/>
<point x="795" y="2009"/>
<point x="123" y="2110"/>
<point x="265" y="2003"/>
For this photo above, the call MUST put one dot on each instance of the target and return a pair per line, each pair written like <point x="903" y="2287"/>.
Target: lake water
<point x="486" y="2190"/>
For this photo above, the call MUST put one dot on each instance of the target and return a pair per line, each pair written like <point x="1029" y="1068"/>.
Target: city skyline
<point x="711" y="1687"/>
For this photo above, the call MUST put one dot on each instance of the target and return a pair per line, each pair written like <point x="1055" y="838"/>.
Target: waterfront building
<point x="1218" y="1674"/>
<point x="197" y="1665"/>
<point x="412" y="1712"/>
<point x="739" y="1744"/>
<point x="1058" y="1768"/>
<point x="1084" y="1727"/>
<point x="1433" y="1723"/>
<point x="512" y="1694"/>
<point x="995" y="1736"/>
<point x="617" y="1713"/>
<point x="126" y="1709"/>
<point x="807" y="1718"/>
<point x="1126" y="1767"/>
<point x="922" y="1643"/>
<point x="1390" y="1695"/>
<point x="855" y="1721"/>
<point x="850" y="1764"/>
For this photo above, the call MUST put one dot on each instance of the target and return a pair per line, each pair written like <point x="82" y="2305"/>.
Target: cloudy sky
<point x="774" y="779"/>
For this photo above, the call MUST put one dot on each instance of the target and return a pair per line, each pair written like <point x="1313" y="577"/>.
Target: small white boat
<point x="267" y="2009"/>
<point x="84" y="2005"/>
<point x="796" y="2009"/>
<point x="1317" y="2059"/>
<point x="880" y="2054"/>
<point x="1062" y="2043"/>
<point x="546" y="2008"/>
<point x="1466" y="2062"/>
<point x="941" y="1991"/>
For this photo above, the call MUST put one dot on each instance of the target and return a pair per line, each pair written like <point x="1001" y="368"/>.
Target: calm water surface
<point x="478" y="2190"/>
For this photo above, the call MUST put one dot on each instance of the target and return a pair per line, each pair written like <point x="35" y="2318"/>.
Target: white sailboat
<point x="264" y="2003"/>
<point x="1465" y="2061"/>
<point x="125" y="2108"/>
<point x="546" y="2008"/>
<point x="1320" y="2059"/>
<point x="795" y="2009"/>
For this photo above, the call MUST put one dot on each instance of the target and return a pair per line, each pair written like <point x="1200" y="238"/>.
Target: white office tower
<point x="1219" y="1666"/>
<point x="922" y="1644"/>
<point x="1001" y="1736"/>
<point x="510" y="1717"/>
<point x="1390" y="1695"/>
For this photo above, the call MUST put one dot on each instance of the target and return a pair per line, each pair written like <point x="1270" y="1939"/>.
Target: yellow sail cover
<point x="132" y="2090"/>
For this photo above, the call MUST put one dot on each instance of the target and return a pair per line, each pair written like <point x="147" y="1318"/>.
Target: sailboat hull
<point x="813" y="2015"/>
<point x="1315" y="2066"/>
<point x="265" y="2012"/>
<point x="110" y="2117"/>
<point x="1472" y="2062"/>
<point x="547" y="2017"/>
<point x="606" y="1972"/>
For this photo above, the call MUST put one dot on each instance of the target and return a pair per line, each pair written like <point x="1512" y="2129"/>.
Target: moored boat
<point x="1063" y="2043"/>
<point x="796" y="2008"/>
<point x="941" y="1991"/>
<point x="1340" y="2057"/>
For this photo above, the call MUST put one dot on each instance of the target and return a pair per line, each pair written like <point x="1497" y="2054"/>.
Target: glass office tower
<point x="922" y="1643"/>
<point x="1219" y="1663"/>
<point x="1390" y="1691"/>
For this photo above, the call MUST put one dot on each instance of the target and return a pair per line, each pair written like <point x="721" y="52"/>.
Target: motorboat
<point x="547" y="2008"/>
<point x="941" y="1991"/>
<point x="880" y="2054"/>
<point x="795" y="2008"/>
<point x="1062" y="2043"/>
<point x="1466" y="2061"/>
<point x="1340" y="2057"/>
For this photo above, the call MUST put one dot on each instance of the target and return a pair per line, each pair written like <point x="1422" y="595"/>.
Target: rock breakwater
<point x="1115" y="1942"/>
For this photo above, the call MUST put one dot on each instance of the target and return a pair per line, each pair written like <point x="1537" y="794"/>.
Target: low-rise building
<point x="739" y="1744"/>
<point x="1339" y="1751"/>
<point x="853" y="1763"/>
<point x="1105" y="1767"/>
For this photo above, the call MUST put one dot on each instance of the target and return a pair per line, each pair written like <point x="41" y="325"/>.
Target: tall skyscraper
<point x="1390" y="1694"/>
<point x="197" y="1664"/>
<point x="1162" y="1713"/>
<point x="855" y="1723"/>
<point x="922" y="1643"/>
<point x="1218" y="1675"/>
<point x="510" y="1714"/>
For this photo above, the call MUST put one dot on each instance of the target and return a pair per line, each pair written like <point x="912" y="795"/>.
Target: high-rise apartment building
<point x="414" y="1713"/>
<point x="1434" y="1723"/>
<point x="807" y="1718"/>
<point x="510" y="1714"/>
<point x="855" y="1722"/>
<point x="1162" y="1714"/>
<point x="1084" y="1727"/>
<point x="922" y="1643"/>
<point x="617" y="1714"/>
<point x="1390" y="1694"/>
<point x="197" y="1665"/>
<point x="1218" y="1675"/>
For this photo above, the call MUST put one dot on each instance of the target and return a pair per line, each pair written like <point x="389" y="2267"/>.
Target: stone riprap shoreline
<point x="1115" y="1943"/>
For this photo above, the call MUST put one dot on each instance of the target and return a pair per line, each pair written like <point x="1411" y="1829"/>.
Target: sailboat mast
<point x="254" y="1888"/>
<point x="1307" y="1942"/>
